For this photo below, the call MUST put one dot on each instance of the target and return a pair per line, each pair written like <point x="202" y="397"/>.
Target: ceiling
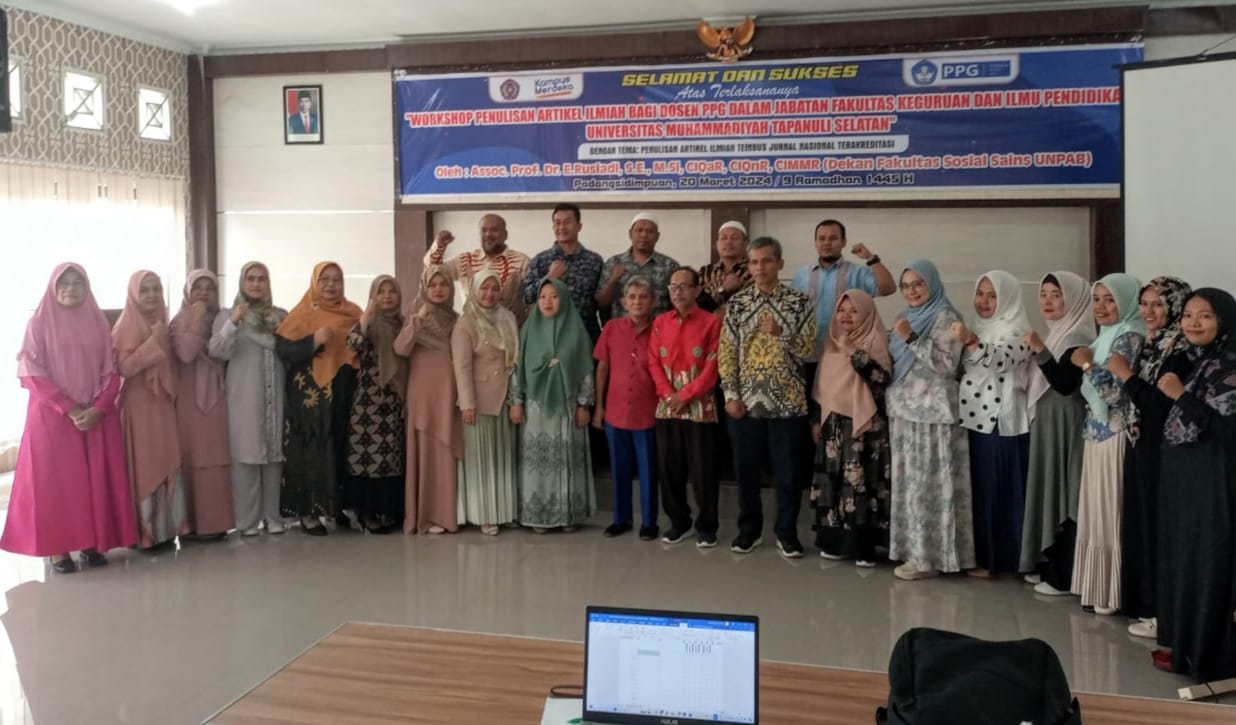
<point x="222" y="26"/>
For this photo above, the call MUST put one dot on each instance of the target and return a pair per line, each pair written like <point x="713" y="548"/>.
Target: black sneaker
<point x="675" y="536"/>
<point x="744" y="544"/>
<point x="649" y="533"/>
<point x="616" y="530"/>
<point x="789" y="548"/>
<point x="705" y="541"/>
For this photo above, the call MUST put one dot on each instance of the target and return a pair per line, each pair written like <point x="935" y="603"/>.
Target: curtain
<point x="112" y="224"/>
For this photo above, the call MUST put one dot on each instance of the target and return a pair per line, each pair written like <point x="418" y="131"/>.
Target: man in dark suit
<point x="306" y="121"/>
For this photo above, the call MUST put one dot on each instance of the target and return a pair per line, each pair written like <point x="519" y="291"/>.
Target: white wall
<point x="292" y="206"/>
<point x="963" y="243"/>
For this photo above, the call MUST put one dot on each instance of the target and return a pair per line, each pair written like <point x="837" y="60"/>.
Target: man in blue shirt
<point x="829" y="278"/>
<point x="569" y="261"/>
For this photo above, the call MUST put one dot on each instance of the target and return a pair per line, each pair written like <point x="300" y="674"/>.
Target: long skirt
<point x="849" y="491"/>
<point x="162" y="516"/>
<point x="1096" y="564"/>
<point x="378" y="497"/>
<point x="1139" y="523"/>
<point x="932" y="516"/>
<point x="430" y="496"/>
<point x="489" y="472"/>
<point x="998" y="486"/>
<point x="1196" y="598"/>
<point x="555" y="470"/>
<point x="1049" y="529"/>
<point x="209" y="499"/>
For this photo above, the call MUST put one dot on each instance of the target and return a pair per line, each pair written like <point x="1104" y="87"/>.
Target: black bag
<point x="945" y="678"/>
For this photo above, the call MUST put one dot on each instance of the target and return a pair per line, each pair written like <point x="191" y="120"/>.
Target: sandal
<point x="64" y="566"/>
<point x="489" y="529"/>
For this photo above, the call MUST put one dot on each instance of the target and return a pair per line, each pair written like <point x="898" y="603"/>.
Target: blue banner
<point x="1041" y="118"/>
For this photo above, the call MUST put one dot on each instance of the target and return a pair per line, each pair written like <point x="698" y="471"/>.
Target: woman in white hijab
<point x="1057" y="420"/>
<point x="993" y="409"/>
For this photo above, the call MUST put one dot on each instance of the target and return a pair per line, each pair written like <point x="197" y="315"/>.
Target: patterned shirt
<point x="511" y="267"/>
<point x="582" y="275"/>
<point x="766" y="372"/>
<point x="657" y="269"/>
<point x="827" y="292"/>
<point x="1120" y="411"/>
<point x="715" y="302"/>
<point x="682" y="357"/>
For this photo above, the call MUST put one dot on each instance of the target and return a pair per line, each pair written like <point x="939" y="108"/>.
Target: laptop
<point x="651" y="667"/>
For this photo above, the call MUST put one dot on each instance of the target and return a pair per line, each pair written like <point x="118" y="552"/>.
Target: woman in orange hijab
<point x="312" y="342"/>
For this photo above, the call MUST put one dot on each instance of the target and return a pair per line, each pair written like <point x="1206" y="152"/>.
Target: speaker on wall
<point x="6" y="120"/>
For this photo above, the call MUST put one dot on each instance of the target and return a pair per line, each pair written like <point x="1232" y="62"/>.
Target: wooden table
<point x="369" y="673"/>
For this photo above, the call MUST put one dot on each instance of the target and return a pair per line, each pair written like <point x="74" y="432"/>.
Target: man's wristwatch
<point x="875" y="259"/>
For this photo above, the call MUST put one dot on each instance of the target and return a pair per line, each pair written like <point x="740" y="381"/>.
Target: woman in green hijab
<point x="551" y="391"/>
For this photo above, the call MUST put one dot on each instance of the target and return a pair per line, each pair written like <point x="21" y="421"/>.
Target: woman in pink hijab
<point x="201" y="410"/>
<point x="71" y="490"/>
<point x="148" y="411"/>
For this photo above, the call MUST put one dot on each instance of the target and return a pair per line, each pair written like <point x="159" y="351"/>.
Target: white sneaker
<point x="250" y="532"/>
<point x="275" y="526"/>
<point x="1048" y="590"/>
<point x="1032" y="578"/>
<point x="831" y="557"/>
<point x="1147" y="628"/>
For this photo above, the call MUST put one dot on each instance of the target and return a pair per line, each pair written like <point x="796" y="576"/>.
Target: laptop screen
<point x="645" y="666"/>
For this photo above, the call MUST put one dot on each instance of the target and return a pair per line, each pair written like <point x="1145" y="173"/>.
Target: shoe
<point x="93" y="558"/>
<point x="250" y="532"/>
<point x="705" y="541"/>
<point x="910" y="572"/>
<point x="1147" y="628"/>
<point x="831" y="557"/>
<point x="864" y="564"/>
<point x="743" y="544"/>
<point x="490" y="529"/>
<point x="675" y="535"/>
<point x="616" y="530"/>
<point x="539" y="529"/>
<point x="435" y="530"/>
<point x="649" y="533"/>
<point x="64" y="566"/>
<point x="790" y="548"/>
<point x="1162" y="659"/>
<point x="275" y="526"/>
<point x="1106" y="611"/>
<point x="1048" y="590"/>
<point x="979" y="573"/>
<point x="318" y="530"/>
<point x="1032" y="578"/>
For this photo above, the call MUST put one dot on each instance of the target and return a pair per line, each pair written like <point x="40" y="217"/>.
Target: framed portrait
<point x="302" y="114"/>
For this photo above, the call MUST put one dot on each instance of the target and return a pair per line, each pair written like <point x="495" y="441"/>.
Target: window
<point x="83" y="100"/>
<point x="154" y="114"/>
<point x="15" y="97"/>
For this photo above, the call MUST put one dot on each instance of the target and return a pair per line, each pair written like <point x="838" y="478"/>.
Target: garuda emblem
<point x="728" y="44"/>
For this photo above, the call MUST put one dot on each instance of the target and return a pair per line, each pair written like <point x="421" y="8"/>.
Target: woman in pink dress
<point x="435" y="429"/>
<point x="201" y="410"/>
<point x="71" y="490"/>
<point x="148" y="411"/>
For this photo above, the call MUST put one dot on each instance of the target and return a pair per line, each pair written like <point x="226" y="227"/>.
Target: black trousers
<point x="686" y="449"/>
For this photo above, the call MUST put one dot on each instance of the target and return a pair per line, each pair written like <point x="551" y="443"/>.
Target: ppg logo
<point x="924" y="72"/>
<point x="974" y="70"/>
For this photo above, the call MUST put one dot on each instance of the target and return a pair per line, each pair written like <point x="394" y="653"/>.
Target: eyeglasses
<point x="679" y="287"/>
<point x="907" y="286"/>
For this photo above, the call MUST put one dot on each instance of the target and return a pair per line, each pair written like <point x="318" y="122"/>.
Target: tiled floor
<point x="172" y="637"/>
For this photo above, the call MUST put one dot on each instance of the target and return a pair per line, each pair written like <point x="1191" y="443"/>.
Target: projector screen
<point x="1180" y="169"/>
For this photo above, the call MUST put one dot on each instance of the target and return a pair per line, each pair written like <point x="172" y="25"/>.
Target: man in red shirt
<point x="626" y="408"/>
<point x="682" y="358"/>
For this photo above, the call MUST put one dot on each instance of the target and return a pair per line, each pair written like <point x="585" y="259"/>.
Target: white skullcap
<point x="734" y="225"/>
<point x="643" y="216"/>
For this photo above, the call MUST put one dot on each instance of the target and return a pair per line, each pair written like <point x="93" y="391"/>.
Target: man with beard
<point x="511" y="266"/>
